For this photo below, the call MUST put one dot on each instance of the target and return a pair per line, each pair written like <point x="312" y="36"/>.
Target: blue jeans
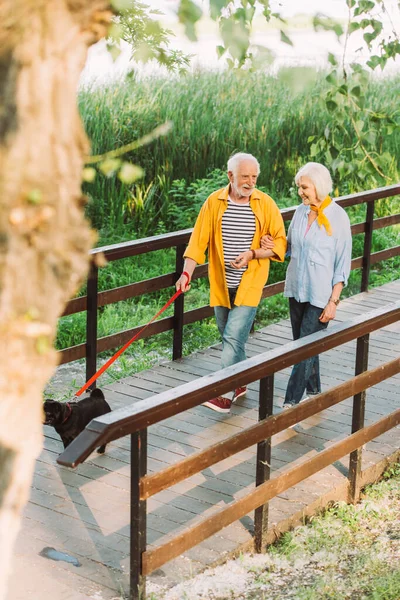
<point x="234" y="325"/>
<point x="304" y="318"/>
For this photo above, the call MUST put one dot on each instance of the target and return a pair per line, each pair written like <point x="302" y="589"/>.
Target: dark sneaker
<point x="220" y="404"/>
<point x="239" y="392"/>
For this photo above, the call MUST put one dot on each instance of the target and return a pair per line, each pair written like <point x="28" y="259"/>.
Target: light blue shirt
<point x="317" y="260"/>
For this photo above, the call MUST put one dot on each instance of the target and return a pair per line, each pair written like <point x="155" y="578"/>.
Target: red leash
<point x="121" y="350"/>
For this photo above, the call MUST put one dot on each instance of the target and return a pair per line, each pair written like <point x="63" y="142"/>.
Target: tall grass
<point x="214" y="114"/>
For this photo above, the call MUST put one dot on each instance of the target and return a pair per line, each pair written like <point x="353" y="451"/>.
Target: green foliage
<point x="148" y="38"/>
<point x="212" y="119"/>
<point x="354" y="139"/>
<point x="186" y="199"/>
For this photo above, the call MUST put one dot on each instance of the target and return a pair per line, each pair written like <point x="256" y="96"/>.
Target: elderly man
<point x="230" y="225"/>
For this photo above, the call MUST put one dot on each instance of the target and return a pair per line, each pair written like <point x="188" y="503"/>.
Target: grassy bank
<point x="349" y="553"/>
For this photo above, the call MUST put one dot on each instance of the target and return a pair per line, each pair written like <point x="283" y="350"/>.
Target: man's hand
<point x="329" y="312"/>
<point x="267" y="242"/>
<point x="183" y="283"/>
<point x="242" y="260"/>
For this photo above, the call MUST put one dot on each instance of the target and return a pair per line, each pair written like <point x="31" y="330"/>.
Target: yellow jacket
<point x="207" y="233"/>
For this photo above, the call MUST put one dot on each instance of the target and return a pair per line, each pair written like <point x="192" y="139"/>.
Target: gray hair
<point x="236" y="159"/>
<point x="320" y="177"/>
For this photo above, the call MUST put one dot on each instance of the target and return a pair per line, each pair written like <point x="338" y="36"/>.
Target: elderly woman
<point x="319" y="246"/>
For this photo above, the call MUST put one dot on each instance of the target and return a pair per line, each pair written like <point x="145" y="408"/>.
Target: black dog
<point x="70" y="418"/>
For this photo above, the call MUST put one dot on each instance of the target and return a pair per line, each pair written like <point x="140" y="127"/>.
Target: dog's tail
<point x="97" y="394"/>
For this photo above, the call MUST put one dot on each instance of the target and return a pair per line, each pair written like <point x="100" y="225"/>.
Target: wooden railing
<point x="135" y="419"/>
<point x="178" y="240"/>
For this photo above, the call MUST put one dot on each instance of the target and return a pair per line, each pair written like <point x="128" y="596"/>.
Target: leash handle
<point x="121" y="350"/>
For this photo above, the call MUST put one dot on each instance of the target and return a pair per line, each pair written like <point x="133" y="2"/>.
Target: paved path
<point x="84" y="513"/>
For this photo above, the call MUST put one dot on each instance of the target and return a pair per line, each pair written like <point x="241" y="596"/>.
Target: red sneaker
<point x="220" y="404"/>
<point x="239" y="392"/>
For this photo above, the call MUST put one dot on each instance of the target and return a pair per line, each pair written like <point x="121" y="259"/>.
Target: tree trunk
<point x="44" y="237"/>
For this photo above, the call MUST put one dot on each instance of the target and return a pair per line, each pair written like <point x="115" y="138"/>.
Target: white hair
<point x="320" y="177"/>
<point x="236" y="159"/>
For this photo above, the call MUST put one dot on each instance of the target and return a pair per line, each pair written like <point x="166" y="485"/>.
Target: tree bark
<point x="44" y="237"/>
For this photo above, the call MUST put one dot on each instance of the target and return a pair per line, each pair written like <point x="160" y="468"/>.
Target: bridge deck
<point x="85" y="513"/>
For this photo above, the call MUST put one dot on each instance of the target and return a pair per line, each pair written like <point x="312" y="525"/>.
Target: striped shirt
<point x="238" y="229"/>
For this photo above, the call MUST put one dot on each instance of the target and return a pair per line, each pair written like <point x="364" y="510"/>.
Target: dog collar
<point x="69" y="414"/>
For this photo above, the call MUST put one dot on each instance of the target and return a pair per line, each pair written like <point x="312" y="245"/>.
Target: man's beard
<point x="242" y="191"/>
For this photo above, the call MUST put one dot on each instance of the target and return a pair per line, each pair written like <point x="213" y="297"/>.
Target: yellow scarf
<point x="321" y="218"/>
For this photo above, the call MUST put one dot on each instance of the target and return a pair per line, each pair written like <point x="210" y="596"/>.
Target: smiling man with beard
<point x="230" y="225"/>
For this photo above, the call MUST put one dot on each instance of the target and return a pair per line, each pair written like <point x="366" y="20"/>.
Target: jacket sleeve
<point x="200" y="237"/>
<point x="276" y="230"/>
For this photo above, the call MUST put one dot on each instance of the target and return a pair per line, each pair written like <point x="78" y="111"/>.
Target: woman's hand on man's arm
<point x="267" y="242"/>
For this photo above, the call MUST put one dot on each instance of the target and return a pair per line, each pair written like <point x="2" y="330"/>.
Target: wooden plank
<point x="192" y="536"/>
<point x="152" y="484"/>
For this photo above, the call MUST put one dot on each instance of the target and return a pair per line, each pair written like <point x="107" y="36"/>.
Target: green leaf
<point x="353" y="27"/>
<point x="120" y="5"/>
<point x="332" y="59"/>
<point x="359" y="125"/>
<point x="113" y="50"/>
<point x="338" y="29"/>
<point x="368" y="37"/>
<point x="313" y="150"/>
<point x="356" y="91"/>
<point x="34" y="196"/>
<point x="327" y="132"/>
<point x="331" y="105"/>
<point x="89" y="174"/>
<point x="221" y="51"/>
<point x="115" y="31"/>
<point x="130" y="173"/>
<point x="188" y="14"/>
<point x="334" y="151"/>
<point x="216" y="7"/>
<point x="109" y="166"/>
<point x="310" y="138"/>
<point x="236" y="37"/>
<point x="338" y="165"/>
<point x="364" y="6"/>
<point x="370" y="137"/>
<point x="364" y="23"/>
<point x="285" y="39"/>
<point x="331" y="77"/>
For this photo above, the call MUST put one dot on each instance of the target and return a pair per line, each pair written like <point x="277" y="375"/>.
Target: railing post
<point x="91" y="323"/>
<point x="178" y="308"/>
<point x="138" y="515"/>
<point x="358" y="420"/>
<point x="263" y="467"/>
<point x="369" y="228"/>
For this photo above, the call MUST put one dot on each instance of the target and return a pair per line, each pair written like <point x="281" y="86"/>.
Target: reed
<point x="214" y="114"/>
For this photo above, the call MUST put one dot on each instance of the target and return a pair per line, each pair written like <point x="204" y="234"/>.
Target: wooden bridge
<point x="195" y="487"/>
